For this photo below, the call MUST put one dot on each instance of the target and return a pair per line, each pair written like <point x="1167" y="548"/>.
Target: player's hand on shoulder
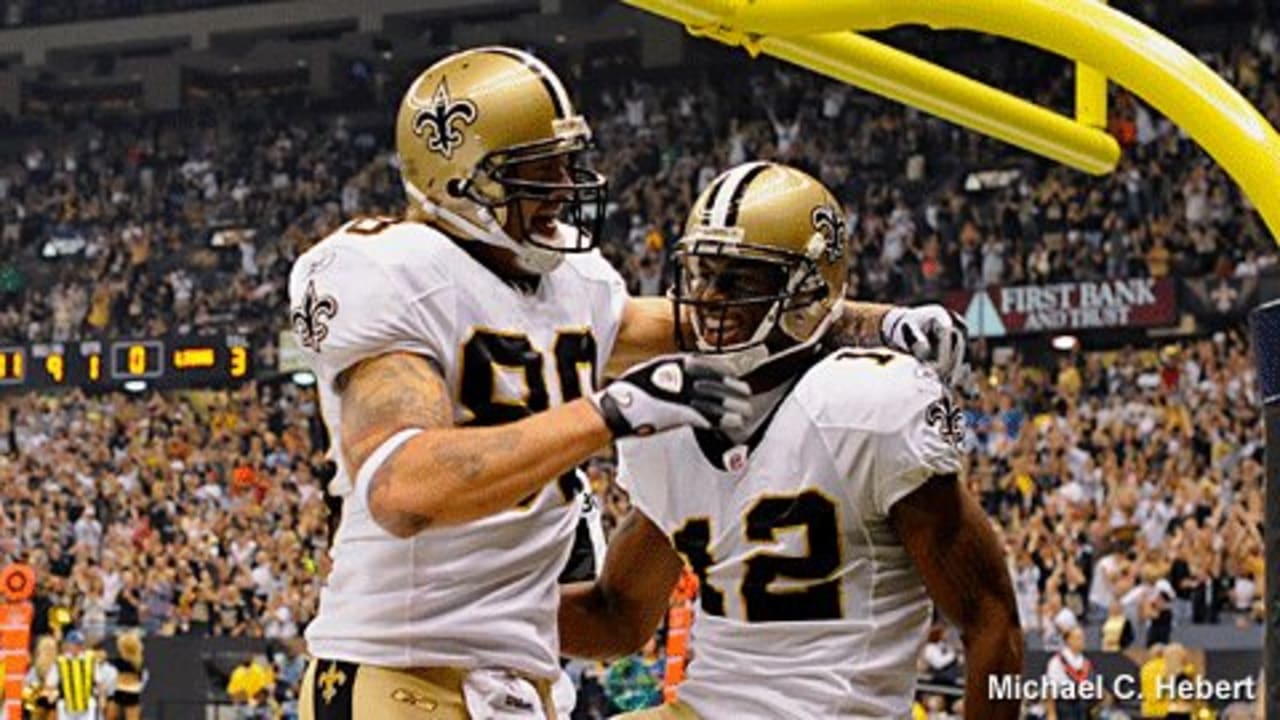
<point x="934" y="335"/>
<point x="670" y="391"/>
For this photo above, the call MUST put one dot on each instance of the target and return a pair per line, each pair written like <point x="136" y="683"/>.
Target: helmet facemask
<point x="736" y="298"/>
<point x="567" y="201"/>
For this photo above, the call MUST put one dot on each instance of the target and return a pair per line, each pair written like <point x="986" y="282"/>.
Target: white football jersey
<point x="482" y="594"/>
<point x="810" y="606"/>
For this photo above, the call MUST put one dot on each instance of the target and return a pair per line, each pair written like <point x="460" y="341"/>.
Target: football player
<point x="457" y="352"/>
<point x="821" y="529"/>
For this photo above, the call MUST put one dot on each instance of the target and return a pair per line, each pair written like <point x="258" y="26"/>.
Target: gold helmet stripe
<point x="555" y="89"/>
<point x="724" y="209"/>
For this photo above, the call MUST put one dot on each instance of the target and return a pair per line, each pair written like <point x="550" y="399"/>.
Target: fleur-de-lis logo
<point x="438" y="119"/>
<point x="828" y="223"/>
<point x="947" y="419"/>
<point x="309" y="319"/>
<point x="330" y="681"/>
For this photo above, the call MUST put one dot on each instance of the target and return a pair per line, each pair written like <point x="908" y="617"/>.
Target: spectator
<point x="1178" y="668"/>
<point x="939" y="659"/>
<point x="1154" y="704"/>
<point x="1206" y="592"/>
<point x="1117" y="631"/>
<point x="131" y="678"/>
<point x="78" y="700"/>
<point x="38" y="701"/>
<point x="252" y="685"/>
<point x="1157" y="612"/>
<point x="1071" y="673"/>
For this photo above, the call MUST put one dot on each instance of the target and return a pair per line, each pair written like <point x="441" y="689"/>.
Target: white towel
<point x="496" y="694"/>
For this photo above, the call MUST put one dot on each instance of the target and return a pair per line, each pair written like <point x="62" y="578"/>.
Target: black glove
<point x="671" y="391"/>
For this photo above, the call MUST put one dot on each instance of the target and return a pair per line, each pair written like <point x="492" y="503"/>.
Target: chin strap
<point x="535" y="260"/>
<point x="742" y="362"/>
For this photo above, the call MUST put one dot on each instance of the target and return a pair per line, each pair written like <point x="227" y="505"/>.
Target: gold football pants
<point x="334" y="690"/>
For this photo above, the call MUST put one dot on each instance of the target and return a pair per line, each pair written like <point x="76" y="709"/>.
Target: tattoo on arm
<point x="385" y="395"/>
<point x="398" y="522"/>
<point x="469" y="462"/>
<point x="381" y="397"/>
<point x="858" y="326"/>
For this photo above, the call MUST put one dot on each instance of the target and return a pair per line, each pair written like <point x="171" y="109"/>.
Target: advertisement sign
<point x="1067" y="307"/>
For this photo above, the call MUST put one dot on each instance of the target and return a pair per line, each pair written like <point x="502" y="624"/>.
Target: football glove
<point x="934" y="335"/>
<point x="670" y="391"/>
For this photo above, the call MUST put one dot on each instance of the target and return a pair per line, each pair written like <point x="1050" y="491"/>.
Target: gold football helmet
<point x="466" y="127"/>
<point x="762" y="266"/>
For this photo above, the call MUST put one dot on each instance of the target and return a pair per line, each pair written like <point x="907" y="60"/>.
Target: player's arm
<point x="648" y="328"/>
<point x="399" y="440"/>
<point x="858" y="325"/>
<point x="617" y="613"/>
<point x="445" y="475"/>
<point x="956" y="552"/>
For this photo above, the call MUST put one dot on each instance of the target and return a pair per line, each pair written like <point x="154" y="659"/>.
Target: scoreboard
<point x="170" y="362"/>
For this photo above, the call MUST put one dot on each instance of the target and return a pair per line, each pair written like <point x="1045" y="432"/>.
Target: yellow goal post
<point x="1107" y="45"/>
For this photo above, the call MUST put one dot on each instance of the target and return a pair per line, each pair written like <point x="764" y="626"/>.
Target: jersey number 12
<point x="819" y="599"/>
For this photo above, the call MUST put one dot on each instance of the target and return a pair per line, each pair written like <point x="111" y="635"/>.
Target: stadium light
<point x="1065" y="343"/>
<point x="135" y="386"/>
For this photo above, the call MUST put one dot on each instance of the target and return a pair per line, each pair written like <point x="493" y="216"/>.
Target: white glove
<point x="934" y="335"/>
<point x="671" y="391"/>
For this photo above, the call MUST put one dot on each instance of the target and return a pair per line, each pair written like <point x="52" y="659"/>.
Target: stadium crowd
<point x="1125" y="483"/>
<point x="1129" y="479"/>
<point x="190" y="222"/>
<point x="193" y="513"/>
<point x="174" y="227"/>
